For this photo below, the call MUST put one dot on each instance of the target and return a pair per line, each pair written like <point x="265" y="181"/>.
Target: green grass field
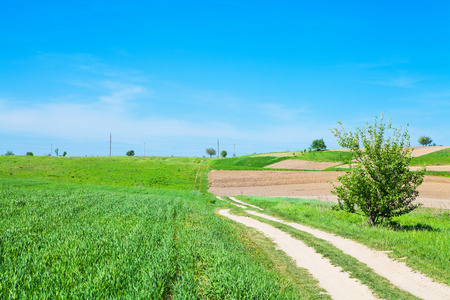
<point x="441" y="157"/>
<point x="133" y="227"/>
<point x="183" y="173"/>
<point x="103" y="236"/>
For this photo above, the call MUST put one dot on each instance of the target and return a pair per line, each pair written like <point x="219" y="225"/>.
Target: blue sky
<point x="177" y="76"/>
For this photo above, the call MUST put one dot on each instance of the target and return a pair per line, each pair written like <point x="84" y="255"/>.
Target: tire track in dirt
<point x="336" y="282"/>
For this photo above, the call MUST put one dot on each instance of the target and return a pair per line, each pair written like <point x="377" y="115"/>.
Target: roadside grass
<point x="437" y="173"/>
<point x="183" y="173"/>
<point x="421" y="238"/>
<point x="441" y="157"/>
<point x="63" y="240"/>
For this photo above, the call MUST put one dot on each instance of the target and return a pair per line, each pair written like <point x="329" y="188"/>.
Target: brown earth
<point x="434" y="192"/>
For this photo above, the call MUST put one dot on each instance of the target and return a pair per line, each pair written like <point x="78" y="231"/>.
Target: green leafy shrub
<point x="379" y="184"/>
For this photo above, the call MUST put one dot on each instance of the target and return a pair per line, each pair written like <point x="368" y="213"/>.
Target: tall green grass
<point x="421" y="237"/>
<point x="79" y="241"/>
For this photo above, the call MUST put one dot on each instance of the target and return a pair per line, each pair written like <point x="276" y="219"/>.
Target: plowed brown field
<point x="434" y="192"/>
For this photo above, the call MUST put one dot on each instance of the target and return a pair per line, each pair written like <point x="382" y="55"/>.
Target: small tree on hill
<point x="318" y="145"/>
<point x="29" y="153"/>
<point x="223" y="153"/>
<point x="425" y="140"/>
<point x="65" y="153"/>
<point x="56" y="151"/>
<point x="210" y="152"/>
<point x="130" y="153"/>
<point x="379" y="184"/>
<point x="9" y="152"/>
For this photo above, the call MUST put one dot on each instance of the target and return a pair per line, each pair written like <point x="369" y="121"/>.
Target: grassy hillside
<point x="182" y="173"/>
<point x="243" y="162"/>
<point x="326" y="156"/>
<point x="258" y="162"/>
<point x="441" y="157"/>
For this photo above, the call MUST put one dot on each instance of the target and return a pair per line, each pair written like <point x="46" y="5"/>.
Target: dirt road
<point x="339" y="285"/>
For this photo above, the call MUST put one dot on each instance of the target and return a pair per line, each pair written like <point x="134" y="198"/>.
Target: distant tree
<point x="425" y="140"/>
<point x="9" y="152"/>
<point x="130" y="153"/>
<point x="379" y="184"/>
<point x="223" y="153"/>
<point x="210" y="151"/>
<point x="318" y="145"/>
<point x="29" y="153"/>
<point x="56" y="151"/>
<point x="65" y="153"/>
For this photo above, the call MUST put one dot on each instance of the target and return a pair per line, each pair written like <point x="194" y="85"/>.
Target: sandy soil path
<point x="434" y="192"/>
<point x="398" y="273"/>
<point x="337" y="283"/>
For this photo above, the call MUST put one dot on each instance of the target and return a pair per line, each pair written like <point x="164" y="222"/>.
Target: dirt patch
<point x="441" y="168"/>
<point x="301" y="165"/>
<point x="434" y="192"/>
<point x="419" y="151"/>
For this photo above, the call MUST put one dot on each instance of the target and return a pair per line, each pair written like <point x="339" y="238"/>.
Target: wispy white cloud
<point x="280" y="113"/>
<point x="401" y="82"/>
<point x="121" y="93"/>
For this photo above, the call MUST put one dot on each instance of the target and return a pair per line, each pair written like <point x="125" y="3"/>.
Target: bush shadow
<point x="416" y="227"/>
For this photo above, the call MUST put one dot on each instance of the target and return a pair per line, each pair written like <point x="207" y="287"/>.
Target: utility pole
<point x="110" y="144"/>
<point x="218" y="154"/>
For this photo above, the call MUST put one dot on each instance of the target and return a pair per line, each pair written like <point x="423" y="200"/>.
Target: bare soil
<point x="434" y="192"/>
<point x="423" y="150"/>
